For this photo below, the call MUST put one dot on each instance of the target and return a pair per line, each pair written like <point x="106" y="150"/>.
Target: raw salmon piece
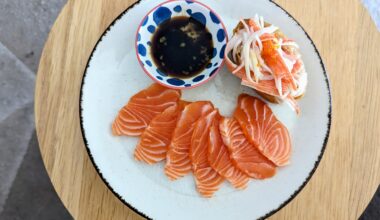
<point x="219" y="158"/>
<point x="244" y="155"/>
<point x="154" y="142"/>
<point x="206" y="178"/>
<point x="142" y="108"/>
<point x="263" y="130"/>
<point x="178" y="162"/>
<point x="264" y="86"/>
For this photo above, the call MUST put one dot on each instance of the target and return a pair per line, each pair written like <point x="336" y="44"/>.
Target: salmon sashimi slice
<point x="208" y="181"/>
<point x="178" y="162"/>
<point x="154" y="142"/>
<point x="243" y="154"/>
<point x="219" y="158"/>
<point x="263" y="130"/>
<point x="142" y="108"/>
<point x="266" y="86"/>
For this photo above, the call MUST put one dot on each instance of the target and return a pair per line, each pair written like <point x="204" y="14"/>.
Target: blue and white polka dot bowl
<point x="174" y="8"/>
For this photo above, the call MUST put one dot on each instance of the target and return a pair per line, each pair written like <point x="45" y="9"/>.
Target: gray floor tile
<point x="24" y="26"/>
<point x="16" y="83"/>
<point x="32" y="196"/>
<point x="15" y="134"/>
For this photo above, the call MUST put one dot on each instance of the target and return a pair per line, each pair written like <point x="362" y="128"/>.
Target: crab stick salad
<point x="267" y="61"/>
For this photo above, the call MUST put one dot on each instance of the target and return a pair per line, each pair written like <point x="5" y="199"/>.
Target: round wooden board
<point x="349" y="172"/>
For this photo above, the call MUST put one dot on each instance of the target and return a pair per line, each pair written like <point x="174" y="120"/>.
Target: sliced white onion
<point x="255" y="63"/>
<point x="293" y="104"/>
<point x="292" y="44"/>
<point x="278" y="83"/>
<point x="267" y="77"/>
<point x="289" y="103"/>
<point x="235" y="49"/>
<point x="302" y="83"/>
<point x="286" y="94"/>
<point x="262" y="21"/>
<point x="261" y="61"/>
<point x="257" y="21"/>
<point x="259" y="43"/>
<point x="289" y="63"/>
<point x="238" y="68"/>
<point x="245" y="25"/>
<point x="245" y="57"/>
<point x="289" y="57"/>
<point x="231" y="43"/>
<point x="247" y="44"/>
<point x="268" y="30"/>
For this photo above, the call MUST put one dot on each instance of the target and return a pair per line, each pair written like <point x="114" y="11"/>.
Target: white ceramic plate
<point x="113" y="75"/>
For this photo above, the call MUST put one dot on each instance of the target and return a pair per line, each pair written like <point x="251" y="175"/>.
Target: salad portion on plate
<point x="266" y="60"/>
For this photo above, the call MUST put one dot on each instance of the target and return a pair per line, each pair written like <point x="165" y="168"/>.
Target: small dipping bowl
<point x="168" y="10"/>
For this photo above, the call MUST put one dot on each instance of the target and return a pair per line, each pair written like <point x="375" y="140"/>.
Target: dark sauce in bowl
<point x="182" y="47"/>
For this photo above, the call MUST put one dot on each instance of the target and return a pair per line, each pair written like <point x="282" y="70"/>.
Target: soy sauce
<point x="182" y="47"/>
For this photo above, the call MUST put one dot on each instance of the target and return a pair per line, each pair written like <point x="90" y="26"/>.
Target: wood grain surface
<point x="349" y="172"/>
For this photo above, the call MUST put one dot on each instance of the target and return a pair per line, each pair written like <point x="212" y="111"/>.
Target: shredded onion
<point x="245" y="25"/>
<point x="267" y="77"/>
<point x="232" y="42"/>
<point x="246" y="46"/>
<point x="290" y="43"/>
<point x="301" y="83"/>
<point x="259" y="43"/>
<point x="289" y="63"/>
<point x="278" y="83"/>
<point x="235" y="49"/>
<point x="238" y="68"/>
<point x="245" y="56"/>
<point x="256" y="70"/>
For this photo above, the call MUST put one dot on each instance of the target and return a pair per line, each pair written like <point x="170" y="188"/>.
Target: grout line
<point x="16" y="109"/>
<point x="22" y="67"/>
<point x="22" y="64"/>
<point x="20" y="161"/>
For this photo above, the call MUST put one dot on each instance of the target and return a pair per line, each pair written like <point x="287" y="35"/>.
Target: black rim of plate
<point x="270" y="212"/>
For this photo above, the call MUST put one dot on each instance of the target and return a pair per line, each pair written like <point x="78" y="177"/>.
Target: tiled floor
<point x="31" y="195"/>
<point x="25" y="189"/>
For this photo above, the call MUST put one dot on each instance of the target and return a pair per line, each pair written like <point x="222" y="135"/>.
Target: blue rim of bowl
<point x="160" y="82"/>
<point x="270" y="213"/>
